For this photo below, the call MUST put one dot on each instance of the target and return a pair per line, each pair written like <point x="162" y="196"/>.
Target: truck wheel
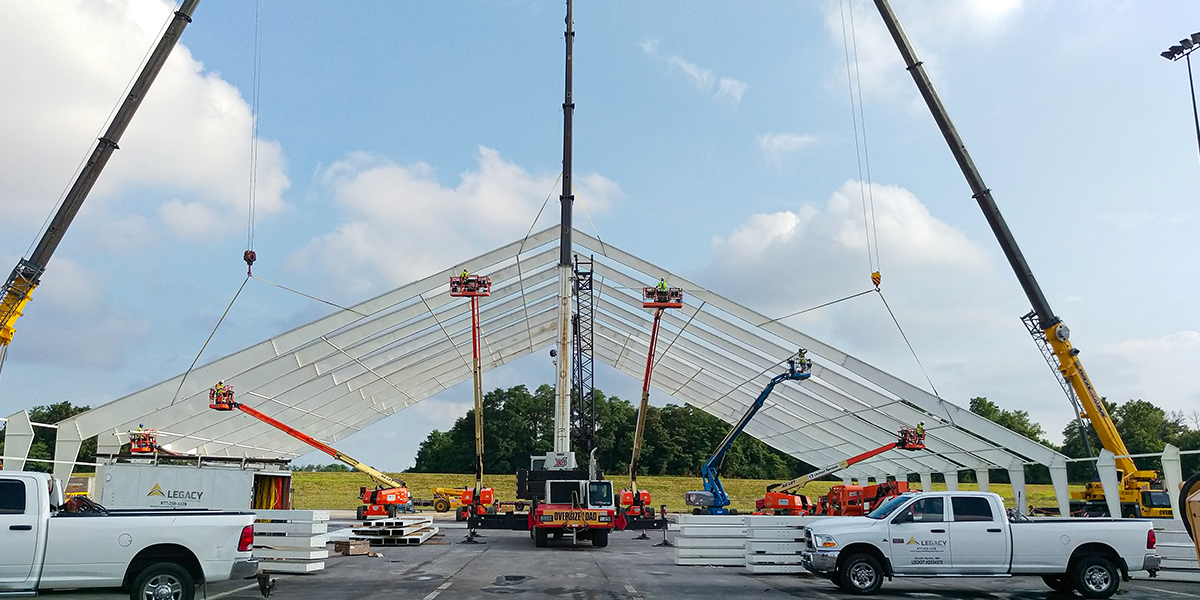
<point x="1095" y="577"/>
<point x="460" y="514"/>
<point x="520" y="506"/>
<point x="391" y="510"/>
<point x="1059" y="583"/>
<point x="163" y="581"/>
<point x="860" y="574"/>
<point x="441" y="505"/>
<point x="600" y="538"/>
<point x="360" y="513"/>
<point x="540" y="538"/>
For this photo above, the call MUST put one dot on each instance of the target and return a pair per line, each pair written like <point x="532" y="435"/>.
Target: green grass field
<point x="340" y="490"/>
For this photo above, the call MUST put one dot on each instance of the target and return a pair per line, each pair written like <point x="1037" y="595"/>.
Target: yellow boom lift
<point x="1141" y="493"/>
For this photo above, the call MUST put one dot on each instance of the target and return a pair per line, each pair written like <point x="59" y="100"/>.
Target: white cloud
<point x="403" y="224"/>
<point x="778" y="144"/>
<point x="703" y="78"/>
<point x="188" y="145"/>
<point x="932" y="26"/>
<point x="732" y="89"/>
<point x="1157" y="370"/>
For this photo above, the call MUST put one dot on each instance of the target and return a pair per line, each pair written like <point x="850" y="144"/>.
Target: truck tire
<point x="460" y="514"/>
<point x="860" y="574"/>
<point x="540" y="539"/>
<point x="391" y="511"/>
<point x="600" y="538"/>
<point x="441" y="505"/>
<point x="1095" y="577"/>
<point x="163" y="581"/>
<point x="1059" y="583"/>
<point x="360" y="513"/>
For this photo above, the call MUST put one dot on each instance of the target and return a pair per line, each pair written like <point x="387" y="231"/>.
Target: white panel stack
<point x="406" y="531"/>
<point x="291" y="541"/>
<point x="710" y="540"/>
<point x="774" y="543"/>
<point x="1177" y="550"/>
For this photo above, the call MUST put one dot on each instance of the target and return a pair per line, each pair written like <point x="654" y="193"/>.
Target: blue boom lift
<point x="713" y="499"/>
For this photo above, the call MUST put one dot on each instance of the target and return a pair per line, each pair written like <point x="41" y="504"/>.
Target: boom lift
<point x="1141" y="493"/>
<point x="781" y="501"/>
<point x="387" y="499"/>
<point x="713" y="499"/>
<point x="15" y="293"/>
<point x="475" y="287"/>
<point x="635" y="503"/>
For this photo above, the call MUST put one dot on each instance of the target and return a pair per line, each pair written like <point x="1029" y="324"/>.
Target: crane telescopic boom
<point x="1053" y="333"/>
<point x="27" y="274"/>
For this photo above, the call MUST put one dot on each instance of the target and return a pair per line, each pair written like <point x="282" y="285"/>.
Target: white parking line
<point x="231" y="592"/>
<point x="632" y="592"/>
<point x="434" y="593"/>
<point x="1172" y="592"/>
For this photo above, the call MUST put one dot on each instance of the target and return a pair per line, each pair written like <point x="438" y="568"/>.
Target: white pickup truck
<point x="46" y="543"/>
<point x="957" y="534"/>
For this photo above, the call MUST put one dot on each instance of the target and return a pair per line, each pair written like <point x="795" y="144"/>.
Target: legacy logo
<point x="174" y="494"/>
<point x="913" y="540"/>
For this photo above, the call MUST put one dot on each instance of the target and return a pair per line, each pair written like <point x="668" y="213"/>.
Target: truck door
<point x="981" y="544"/>
<point x="920" y="542"/>
<point x="19" y="523"/>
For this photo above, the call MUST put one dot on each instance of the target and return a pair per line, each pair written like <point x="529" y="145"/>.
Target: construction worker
<point x="464" y="275"/>
<point x="921" y="430"/>
<point x="662" y="285"/>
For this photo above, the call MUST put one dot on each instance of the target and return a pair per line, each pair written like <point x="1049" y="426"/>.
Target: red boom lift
<point x="781" y="501"/>
<point x="387" y="499"/>
<point x="635" y="503"/>
<point x="477" y="499"/>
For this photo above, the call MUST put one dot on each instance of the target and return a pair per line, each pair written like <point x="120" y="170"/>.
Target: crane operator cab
<point x="220" y="397"/>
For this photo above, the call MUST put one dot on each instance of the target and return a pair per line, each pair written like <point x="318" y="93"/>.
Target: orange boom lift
<point x="387" y="499"/>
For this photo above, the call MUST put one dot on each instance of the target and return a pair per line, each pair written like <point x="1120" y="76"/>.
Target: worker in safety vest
<point x="662" y="285"/>
<point x="219" y="391"/>
<point x="464" y="275"/>
<point x="921" y="430"/>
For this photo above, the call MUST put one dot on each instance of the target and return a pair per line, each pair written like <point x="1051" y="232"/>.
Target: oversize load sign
<point x="590" y="516"/>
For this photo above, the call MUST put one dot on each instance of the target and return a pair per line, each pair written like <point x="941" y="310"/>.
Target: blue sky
<point x="713" y="139"/>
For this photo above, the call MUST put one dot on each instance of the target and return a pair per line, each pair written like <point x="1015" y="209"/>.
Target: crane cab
<point x="470" y="286"/>
<point x="662" y="297"/>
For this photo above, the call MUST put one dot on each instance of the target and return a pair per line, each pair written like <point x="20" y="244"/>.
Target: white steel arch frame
<point x="338" y="374"/>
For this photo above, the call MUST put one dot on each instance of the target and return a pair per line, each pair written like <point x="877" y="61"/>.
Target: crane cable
<point x="861" y="154"/>
<point x="249" y="255"/>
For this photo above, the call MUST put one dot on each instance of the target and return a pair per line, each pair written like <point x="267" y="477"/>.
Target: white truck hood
<point x="835" y="525"/>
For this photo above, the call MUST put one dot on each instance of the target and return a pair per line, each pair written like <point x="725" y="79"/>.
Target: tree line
<point x="677" y="439"/>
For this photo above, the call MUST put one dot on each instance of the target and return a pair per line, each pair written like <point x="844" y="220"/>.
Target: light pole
<point x="1184" y="50"/>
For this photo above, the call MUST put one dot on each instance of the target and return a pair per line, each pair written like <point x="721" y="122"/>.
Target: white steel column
<point x="1172" y="478"/>
<point x="1016" y="476"/>
<point x="562" y="403"/>
<point x="951" y="480"/>
<point x="18" y="437"/>
<point x="1058" y="476"/>
<point x="926" y="482"/>
<point x="981" y="475"/>
<point x="1107" y="466"/>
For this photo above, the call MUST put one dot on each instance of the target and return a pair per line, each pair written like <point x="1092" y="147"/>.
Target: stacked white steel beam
<point x="406" y="531"/>
<point x="774" y="543"/>
<point x="710" y="540"/>
<point x="291" y="541"/>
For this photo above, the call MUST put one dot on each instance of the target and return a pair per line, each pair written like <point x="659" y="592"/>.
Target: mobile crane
<point x="713" y="499"/>
<point x="781" y="501"/>
<point x="635" y="503"/>
<point x="26" y="276"/>
<point x="387" y="499"/>
<point x="1140" y="493"/>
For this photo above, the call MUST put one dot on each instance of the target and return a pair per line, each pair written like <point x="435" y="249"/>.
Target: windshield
<point x="1156" y="499"/>
<point x="600" y="494"/>
<point x="885" y="509"/>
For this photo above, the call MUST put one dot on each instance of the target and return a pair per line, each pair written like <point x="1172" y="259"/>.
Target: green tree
<point x="1018" y="421"/>
<point x="41" y="451"/>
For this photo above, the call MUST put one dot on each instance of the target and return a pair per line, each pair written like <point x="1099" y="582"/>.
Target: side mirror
<point x="904" y="517"/>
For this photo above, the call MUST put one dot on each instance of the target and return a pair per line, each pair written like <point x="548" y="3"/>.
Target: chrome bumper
<point x="1152" y="562"/>
<point x="820" y="563"/>
<point x="244" y="568"/>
